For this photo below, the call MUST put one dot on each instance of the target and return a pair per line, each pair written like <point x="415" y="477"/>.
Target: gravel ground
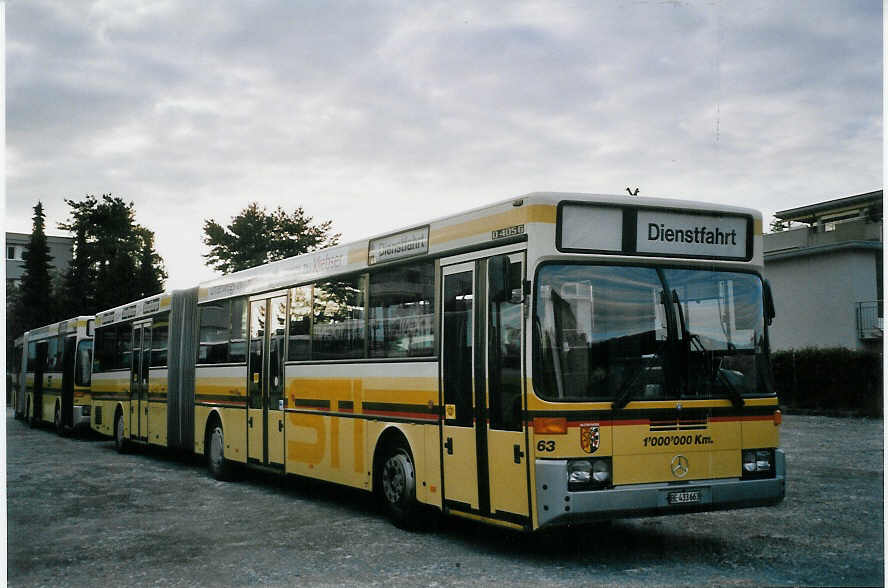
<point x="80" y="514"/>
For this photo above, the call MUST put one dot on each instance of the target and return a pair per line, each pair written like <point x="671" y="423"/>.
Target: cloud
<point x="384" y="115"/>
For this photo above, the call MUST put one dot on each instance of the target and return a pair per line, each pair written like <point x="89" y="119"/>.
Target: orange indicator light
<point x="550" y="425"/>
<point x="778" y="418"/>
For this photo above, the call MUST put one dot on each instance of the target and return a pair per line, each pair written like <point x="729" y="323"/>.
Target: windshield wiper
<point x="736" y="398"/>
<point x="625" y="391"/>
<point x="733" y="393"/>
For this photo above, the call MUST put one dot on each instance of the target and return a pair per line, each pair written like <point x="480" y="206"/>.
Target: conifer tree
<point x="34" y="306"/>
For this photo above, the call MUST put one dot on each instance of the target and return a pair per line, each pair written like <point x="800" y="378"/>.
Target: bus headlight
<point x="588" y="474"/>
<point x="758" y="463"/>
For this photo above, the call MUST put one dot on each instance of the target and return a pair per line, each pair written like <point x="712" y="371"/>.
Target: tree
<point x="34" y="302"/>
<point x="255" y="237"/>
<point x="114" y="258"/>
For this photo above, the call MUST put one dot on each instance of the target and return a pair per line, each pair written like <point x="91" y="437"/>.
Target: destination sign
<point x="595" y="228"/>
<point x="640" y="230"/>
<point x="151" y="306"/>
<point x="399" y="245"/>
<point x="676" y="233"/>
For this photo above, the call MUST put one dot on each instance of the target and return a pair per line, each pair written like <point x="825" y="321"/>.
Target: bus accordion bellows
<point x="550" y="359"/>
<point x="55" y="366"/>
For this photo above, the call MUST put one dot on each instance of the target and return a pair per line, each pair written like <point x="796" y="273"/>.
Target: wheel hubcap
<point x="393" y="480"/>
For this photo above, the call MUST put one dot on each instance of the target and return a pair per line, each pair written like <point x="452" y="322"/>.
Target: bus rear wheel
<point x="120" y="442"/>
<point x="398" y="487"/>
<point x="218" y="466"/>
<point x="57" y="420"/>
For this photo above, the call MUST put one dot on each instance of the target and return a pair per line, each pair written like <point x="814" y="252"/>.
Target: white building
<point x="826" y="275"/>
<point x="60" y="248"/>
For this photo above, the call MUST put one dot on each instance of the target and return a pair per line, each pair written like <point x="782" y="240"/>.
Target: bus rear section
<point x="652" y="391"/>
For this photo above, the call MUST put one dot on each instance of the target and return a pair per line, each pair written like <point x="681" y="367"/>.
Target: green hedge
<point x="829" y="380"/>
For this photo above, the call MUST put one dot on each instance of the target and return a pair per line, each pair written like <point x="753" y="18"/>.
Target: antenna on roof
<point x="631" y="193"/>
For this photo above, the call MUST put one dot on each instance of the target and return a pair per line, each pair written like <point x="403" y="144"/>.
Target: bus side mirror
<point x="770" y="313"/>
<point x="500" y="283"/>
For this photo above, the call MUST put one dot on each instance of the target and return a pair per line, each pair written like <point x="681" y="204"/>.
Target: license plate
<point x="688" y="497"/>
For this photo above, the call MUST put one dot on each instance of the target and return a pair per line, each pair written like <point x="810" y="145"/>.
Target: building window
<point x="10" y="252"/>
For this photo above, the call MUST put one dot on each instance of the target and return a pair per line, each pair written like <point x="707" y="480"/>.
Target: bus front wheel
<point x="398" y="487"/>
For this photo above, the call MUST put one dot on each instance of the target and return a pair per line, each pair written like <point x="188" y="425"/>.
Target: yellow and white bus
<point x="56" y="380"/>
<point x="550" y="359"/>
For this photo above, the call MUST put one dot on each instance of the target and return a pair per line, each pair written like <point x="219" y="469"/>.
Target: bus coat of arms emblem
<point x="589" y="437"/>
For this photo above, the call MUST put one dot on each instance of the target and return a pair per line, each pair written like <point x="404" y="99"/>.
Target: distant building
<point x="60" y="248"/>
<point x="827" y="275"/>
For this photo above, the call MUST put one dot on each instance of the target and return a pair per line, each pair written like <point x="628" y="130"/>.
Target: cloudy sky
<point x="383" y="114"/>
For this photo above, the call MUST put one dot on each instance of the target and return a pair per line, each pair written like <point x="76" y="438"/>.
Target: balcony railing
<point x="869" y="320"/>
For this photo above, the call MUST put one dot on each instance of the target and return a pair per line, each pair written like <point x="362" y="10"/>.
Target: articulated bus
<point x="551" y="359"/>
<point x="56" y="368"/>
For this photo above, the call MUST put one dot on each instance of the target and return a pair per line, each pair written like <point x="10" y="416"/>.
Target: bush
<point x="829" y="380"/>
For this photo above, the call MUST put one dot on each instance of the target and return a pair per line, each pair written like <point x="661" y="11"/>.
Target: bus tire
<point x="32" y="420"/>
<point x="57" y="421"/>
<point x="217" y="465"/>
<point x="397" y="486"/>
<point x="120" y="442"/>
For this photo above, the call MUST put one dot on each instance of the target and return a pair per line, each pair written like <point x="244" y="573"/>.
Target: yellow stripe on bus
<point x="537" y="213"/>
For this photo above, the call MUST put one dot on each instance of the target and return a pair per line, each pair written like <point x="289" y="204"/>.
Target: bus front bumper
<point x="80" y="416"/>
<point x="556" y="505"/>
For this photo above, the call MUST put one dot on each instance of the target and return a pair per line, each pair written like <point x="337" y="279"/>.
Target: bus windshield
<point x="624" y="333"/>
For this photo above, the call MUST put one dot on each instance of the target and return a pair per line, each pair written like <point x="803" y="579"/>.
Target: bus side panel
<point x="234" y="425"/>
<point x="220" y="387"/>
<point x="52" y="394"/>
<point x="329" y="448"/>
<point x="336" y="413"/>
<point x="157" y="406"/>
<point x="108" y="390"/>
<point x="201" y="415"/>
<point x="428" y="490"/>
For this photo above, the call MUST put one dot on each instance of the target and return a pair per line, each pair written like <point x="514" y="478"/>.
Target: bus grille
<point x="683" y="422"/>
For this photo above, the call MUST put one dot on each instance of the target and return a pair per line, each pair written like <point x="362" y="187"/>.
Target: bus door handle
<point x="449" y="446"/>
<point x="280" y="426"/>
<point x="518" y="454"/>
<point x="250" y="422"/>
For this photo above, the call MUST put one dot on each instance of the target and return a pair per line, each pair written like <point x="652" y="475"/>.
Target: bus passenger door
<point x="506" y="440"/>
<point x="277" y="337"/>
<point x="458" y="432"/>
<point x="265" y="409"/>
<point x="141" y="343"/>
<point x="144" y="366"/>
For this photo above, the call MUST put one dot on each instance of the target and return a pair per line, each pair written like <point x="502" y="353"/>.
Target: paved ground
<point x="80" y="514"/>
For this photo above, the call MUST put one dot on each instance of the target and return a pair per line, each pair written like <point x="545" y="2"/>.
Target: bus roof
<point x="66" y="326"/>
<point x="502" y="222"/>
<point x="474" y="228"/>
